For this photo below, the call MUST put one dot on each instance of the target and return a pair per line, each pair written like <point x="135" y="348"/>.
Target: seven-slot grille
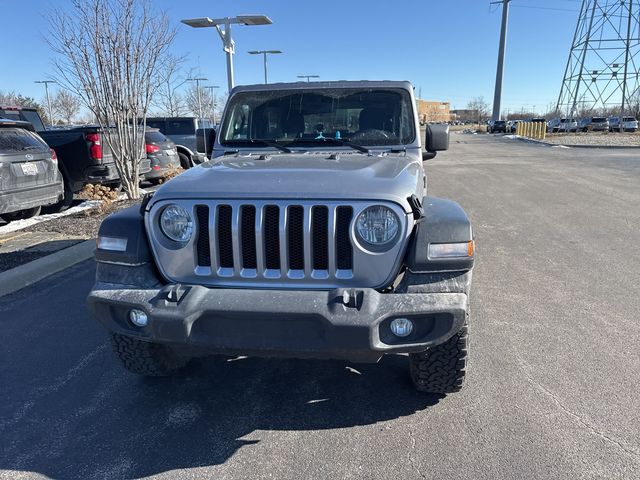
<point x="269" y="241"/>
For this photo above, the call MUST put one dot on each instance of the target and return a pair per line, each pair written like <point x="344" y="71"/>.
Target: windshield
<point x="359" y="116"/>
<point x="599" y="120"/>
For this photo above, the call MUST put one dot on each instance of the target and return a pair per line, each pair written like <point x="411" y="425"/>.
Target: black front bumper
<point x="341" y="323"/>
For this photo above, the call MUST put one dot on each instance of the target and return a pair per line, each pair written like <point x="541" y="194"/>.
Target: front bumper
<point x="30" y="197"/>
<point x="341" y="323"/>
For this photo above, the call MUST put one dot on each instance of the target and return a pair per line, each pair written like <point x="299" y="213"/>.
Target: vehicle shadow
<point x="112" y="424"/>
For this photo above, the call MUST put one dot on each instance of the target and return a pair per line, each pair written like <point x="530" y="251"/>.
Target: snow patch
<point x="20" y="224"/>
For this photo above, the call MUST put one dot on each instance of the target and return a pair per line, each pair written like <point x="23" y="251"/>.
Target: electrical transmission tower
<point x="603" y="69"/>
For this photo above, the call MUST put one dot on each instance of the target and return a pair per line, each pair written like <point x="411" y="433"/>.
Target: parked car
<point x="562" y="125"/>
<point x="629" y="124"/>
<point x="161" y="153"/>
<point x="594" y="124"/>
<point x="29" y="175"/>
<point x="514" y="126"/>
<point x="297" y="241"/>
<point x="182" y="131"/>
<point x="498" y="126"/>
<point x="83" y="157"/>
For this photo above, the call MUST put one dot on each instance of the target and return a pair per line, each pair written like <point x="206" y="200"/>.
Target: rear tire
<point x="21" y="214"/>
<point x="442" y="369"/>
<point x="145" y="358"/>
<point x="63" y="204"/>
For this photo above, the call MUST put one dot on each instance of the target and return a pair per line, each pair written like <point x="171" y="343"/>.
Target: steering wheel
<point x="372" y="134"/>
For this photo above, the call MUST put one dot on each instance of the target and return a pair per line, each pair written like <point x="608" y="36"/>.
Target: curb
<point x="24" y="275"/>
<point x="539" y="142"/>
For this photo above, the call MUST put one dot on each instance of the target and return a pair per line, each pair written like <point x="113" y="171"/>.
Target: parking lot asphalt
<point x="552" y="391"/>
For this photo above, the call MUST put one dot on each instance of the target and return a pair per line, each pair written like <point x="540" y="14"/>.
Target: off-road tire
<point x="145" y="358"/>
<point x="442" y="368"/>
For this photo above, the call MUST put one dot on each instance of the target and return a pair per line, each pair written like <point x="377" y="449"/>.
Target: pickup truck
<point x="83" y="156"/>
<point x="183" y="132"/>
<point x="310" y="233"/>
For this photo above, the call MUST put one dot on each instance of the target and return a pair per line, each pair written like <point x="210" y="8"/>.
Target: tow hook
<point x="352" y="298"/>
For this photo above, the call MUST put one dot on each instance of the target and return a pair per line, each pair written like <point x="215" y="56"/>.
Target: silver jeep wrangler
<point x="309" y="233"/>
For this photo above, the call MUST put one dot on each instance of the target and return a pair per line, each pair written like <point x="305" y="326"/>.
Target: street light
<point x="225" y="35"/>
<point x="46" y="89"/>
<point x="212" y="89"/>
<point x="264" y="57"/>
<point x="198" y="80"/>
<point x="308" y="77"/>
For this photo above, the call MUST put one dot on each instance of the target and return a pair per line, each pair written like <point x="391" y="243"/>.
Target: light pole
<point x="497" y="97"/>
<point x="212" y="89"/>
<point x="308" y="77"/>
<point x="46" y="89"/>
<point x="264" y="57"/>
<point x="198" y="80"/>
<point x="225" y="35"/>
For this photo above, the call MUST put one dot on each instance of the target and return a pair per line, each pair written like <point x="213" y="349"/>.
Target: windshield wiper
<point x="269" y="143"/>
<point x="31" y="147"/>
<point x="334" y="141"/>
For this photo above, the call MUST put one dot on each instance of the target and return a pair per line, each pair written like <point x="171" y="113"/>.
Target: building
<point x="429" y="111"/>
<point x="465" y="115"/>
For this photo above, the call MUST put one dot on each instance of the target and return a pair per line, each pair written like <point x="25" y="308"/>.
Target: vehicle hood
<point x="313" y="175"/>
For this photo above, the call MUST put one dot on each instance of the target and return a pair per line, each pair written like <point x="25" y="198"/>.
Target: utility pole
<point x="501" y="51"/>
<point x="46" y="89"/>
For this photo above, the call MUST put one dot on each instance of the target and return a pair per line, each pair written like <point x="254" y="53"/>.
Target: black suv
<point x="29" y="176"/>
<point x="498" y="126"/>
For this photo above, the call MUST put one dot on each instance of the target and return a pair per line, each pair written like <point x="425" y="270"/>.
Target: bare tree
<point x="65" y="105"/>
<point x="168" y="98"/>
<point x="480" y="107"/>
<point x="114" y="54"/>
<point x="195" y="104"/>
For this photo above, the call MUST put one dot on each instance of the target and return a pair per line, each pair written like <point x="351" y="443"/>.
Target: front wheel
<point x="442" y="368"/>
<point x="145" y="358"/>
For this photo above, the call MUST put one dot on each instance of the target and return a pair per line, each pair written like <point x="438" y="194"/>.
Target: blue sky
<point x="447" y="48"/>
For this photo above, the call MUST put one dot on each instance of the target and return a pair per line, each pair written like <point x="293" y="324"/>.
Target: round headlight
<point x="176" y="223"/>
<point x="377" y="225"/>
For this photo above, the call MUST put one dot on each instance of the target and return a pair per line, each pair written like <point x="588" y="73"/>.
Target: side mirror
<point x="437" y="138"/>
<point x="210" y="135"/>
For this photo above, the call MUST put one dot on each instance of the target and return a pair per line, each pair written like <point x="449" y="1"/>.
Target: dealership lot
<point x="552" y="390"/>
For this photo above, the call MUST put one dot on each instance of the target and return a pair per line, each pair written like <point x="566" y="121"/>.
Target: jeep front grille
<point x="271" y="241"/>
<point x="275" y="244"/>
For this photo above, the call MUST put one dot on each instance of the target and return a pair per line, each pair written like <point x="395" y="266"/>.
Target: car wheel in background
<point x="63" y="204"/>
<point x="185" y="162"/>
<point x="21" y="215"/>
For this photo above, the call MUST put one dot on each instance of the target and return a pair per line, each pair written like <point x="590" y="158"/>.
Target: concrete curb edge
<point x="24" y="275"/>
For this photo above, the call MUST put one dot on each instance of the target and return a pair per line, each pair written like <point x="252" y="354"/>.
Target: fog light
<point x="138" y="318"/>
<point x="401" y="327"/>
